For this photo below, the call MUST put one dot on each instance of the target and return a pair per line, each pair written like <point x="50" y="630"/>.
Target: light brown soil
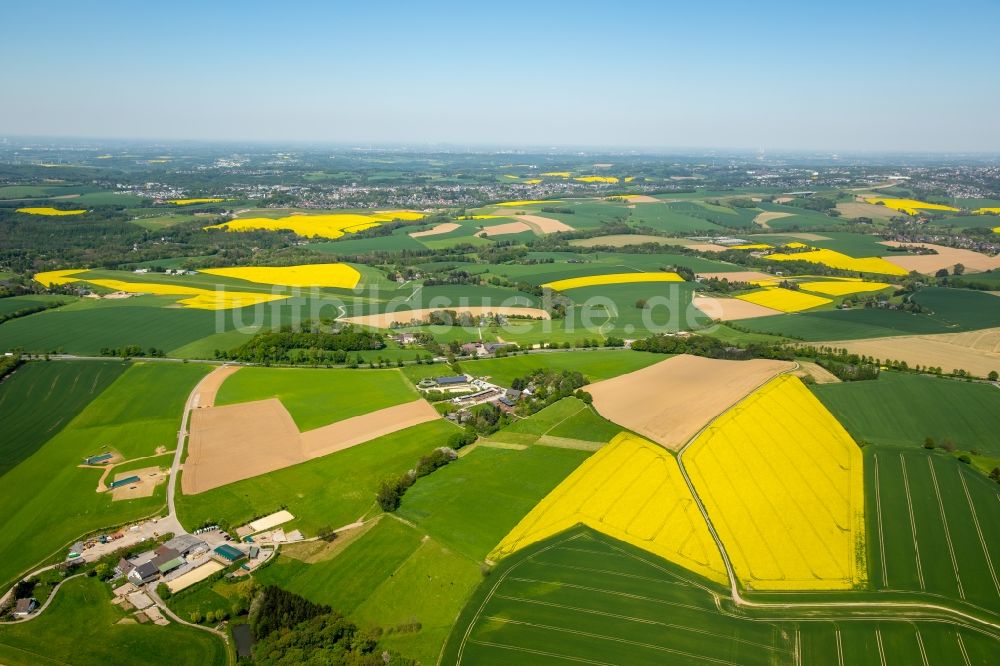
<point x="436" y="230"/>
<point x="708" y="247"/>
<point x="738" y="276"/>
<point x="194" y="576"/>
<point x="783" y="200"/>
<point x="671" y="401"/>
<point x="731" y="309"/>
<point x="975" y="351"/>
<point x="643" y="198"/>
<point x="149" y="477"/>
<point x="209" y="386"/>
<point x="861" y="209"/>
<point x="765" y="217"/>
<point x="946" y="257"/>
<point x="820" y="374"/>
<point x="545" y="225"/>
<point x="349" y="432"/>
<point x="508" y="228"/>
<point x="385" y="319"/>
<point x="235" y="442"/>
<point x="621" y="240"/>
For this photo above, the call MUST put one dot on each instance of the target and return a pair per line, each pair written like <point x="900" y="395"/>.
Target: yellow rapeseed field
<point x="512" y="204"/>
<point x="188" y="202"/>
<point x="751" y="246"/>
<point x="633" y="491"/>
<point x="985" y="211"/>
<point x="611" y="278"/>
<point x="198" y="298"/>
<point x="783" y="484"/>
<point x="629" y="179"/>
<point x="49" y="278"/>
<point x="49" y="211"/>
<point x="307" y="275"/>
<point x="908" y="206"/>
<point x="795" y="245"/>
<point x="842" y="287"/>
<point x="332" y="225"/>
<point x="557" y="174"/>
<point x="786" y="300"/>
<point x="597" y="179"/>
<point x="533" y="181"/>
<point x="835" y="259"/>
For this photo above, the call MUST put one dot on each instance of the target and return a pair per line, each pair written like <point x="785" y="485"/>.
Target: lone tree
<point x="993" y="376"/>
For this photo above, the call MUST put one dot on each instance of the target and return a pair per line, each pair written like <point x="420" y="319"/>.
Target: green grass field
<point x="931" y="528"/>
<point x="582" y="597"/>
<point x="317" y="397"/>
<point x="82" y="627"/>
<point x="900" y="409"/>
<point x="40" y="398"/>
<point x="13" y="304"/>
<point x="330" y="491"/>
<point x="948" y="311"/>
<point x="612" y="309"/>
<point x="568" y="418"/>
<point x="137" y="413"/>
<point x="389" y="576"/>
<point x="471" y="504"/>
<point x="595" y="364"/>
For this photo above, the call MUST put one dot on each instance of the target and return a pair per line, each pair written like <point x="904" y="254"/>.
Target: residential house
<point x="25" y="607"/>
<point x="143" y="573"/>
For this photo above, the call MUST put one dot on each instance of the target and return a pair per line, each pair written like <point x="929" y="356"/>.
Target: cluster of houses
<point x="176" y="557"/>
<point x="473" y="392"/>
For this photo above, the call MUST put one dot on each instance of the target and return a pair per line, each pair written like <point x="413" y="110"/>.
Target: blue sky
<point x="847" y="76"/>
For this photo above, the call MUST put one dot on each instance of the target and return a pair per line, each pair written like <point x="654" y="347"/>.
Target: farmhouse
<point x="25" y="607"/>
<point x="143" y="573"/>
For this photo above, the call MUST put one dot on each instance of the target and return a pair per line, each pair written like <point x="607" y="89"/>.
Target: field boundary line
<point x="613" y="639"/>
<point x="840" y="648"/>
<point x="515" y="648"/>
<point x="626" y="595"/>
<point x="878" y="515"/>
<point x="913" y="523"/>
<point x="979" y="531"/>
<point x="947" y="532"/>
<point x="881" y="649"/>
<point x="920" y="644"/>
<point x="961" y="647"/>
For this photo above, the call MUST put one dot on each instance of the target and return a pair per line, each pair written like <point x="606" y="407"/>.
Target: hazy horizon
<point x="779" y="77"/>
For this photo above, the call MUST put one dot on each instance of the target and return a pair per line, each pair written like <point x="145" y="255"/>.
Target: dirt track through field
<point x="670" y="401"/>
<point x="946" y="257"/>
<point x="546" y="225"/>
<point x="235" y="442"/>
<point x="731" y="309"/>
<point x="386" y="319"/>
<point x="209" y="387"/>
<point x="436" y="230"/>
<point x="975" y="351"/>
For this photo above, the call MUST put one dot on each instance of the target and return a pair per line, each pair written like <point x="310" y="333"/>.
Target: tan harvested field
<point x="546" y="225"/>
<point x="149" y="478"/>
<point x="670" y="401"/>
<point x="643" y="198"/>
<point x="235" y="442"/>
<point x="209" y="386"/>
<point x="946" y="257"/>
<point x="386" y="319"/>
<point x="738" y="276"/>
<point x="621" y="240"/>
<point x="436" y="230"/>
<point x="358" y="429"/>
<point x="862" y="209"/>
<point x="731" y="309"/>
<point x="820" y="374"/>
<point x="501" y="229"/>
<point x="783" y="200"/>
<point x="708" y="247"/>
<point x="765" y="217"/>
<point x="975" y="351"/>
